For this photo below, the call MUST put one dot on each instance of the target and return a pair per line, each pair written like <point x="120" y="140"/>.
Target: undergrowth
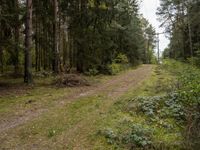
<point x="188" y="90"/>
<point x="163" y="117"/>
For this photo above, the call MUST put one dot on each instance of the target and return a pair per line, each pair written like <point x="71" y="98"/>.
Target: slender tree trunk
<point x="36" y="51"/>
<point x="147" y="53"/>
<point x="16" y="50"/>
<point x="190" y="38"/>
<point x="1" y="51"/>
<point x="28" y="43"/>
<point x="50" y="48"/>
<point x="158" y="46"/>
<point x="46" y="50"/>
<point x="39" y="47"/>
<point x="71" y="49"/>
<point x="36" y="41"/>
<point x="1" y="59"/>
<point x="17" y="26"/>
<point x="79" y="45"/>
<point x="189" y="29"/>
<point x="59" y="42"/>
<point x="55" y="44"/>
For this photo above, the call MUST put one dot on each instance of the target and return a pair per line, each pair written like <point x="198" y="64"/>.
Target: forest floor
<point x="47" y="117"/>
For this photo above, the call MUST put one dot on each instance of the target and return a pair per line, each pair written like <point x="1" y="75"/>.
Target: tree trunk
<point x="39" y="47"/>
<point x="36" y="42"/>
<point x="55" y="44"/>
<point x="1" y="51"/>
<point x="79" y="45"/>
<point x="147" y="57"/>
<point x="17" y="26"/>
<point x="190" y="38"/>
<point x="28" y="43"/>
<point x="1" y="59"/>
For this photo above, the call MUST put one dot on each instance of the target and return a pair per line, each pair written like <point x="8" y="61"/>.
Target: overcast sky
<point x="148" y="8"/>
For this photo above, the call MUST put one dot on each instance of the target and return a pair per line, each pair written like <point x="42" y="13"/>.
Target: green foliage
<point x="160" y="107"/>
<point x="120" y="63"/>
<point x="92" y="72"/>
<point x="91" y="37"/>
<point x="114" y="68"/>
<point x="188" y="86"/>
<point x="121" y="59"/>
<point x="153" y="121"/>
<point x="188" y="93"/>
<point x="181" y="21"/>
<point x="148" y="105"/>
<point x="139" y="136"/>
<point x="194" y="61"/>
<point x="110" y="136"/>
<point x="174" y="107"/>
<point x="51" y="133"/>
<point x="158" y="113"/>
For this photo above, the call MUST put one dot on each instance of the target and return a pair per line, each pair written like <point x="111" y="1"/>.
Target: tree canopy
<point x="77" y="35"/>
<point x="181" y="20"/>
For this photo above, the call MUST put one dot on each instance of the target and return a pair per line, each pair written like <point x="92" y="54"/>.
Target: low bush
<point x="137" y="137"/>
<point x="115" y="68"/>
<point x="92" y="72"/>
<point x="169" y="106"/>
<point x="120" y="63"/>
<point x="188" y="91"/>
<point x="121" y="59"/>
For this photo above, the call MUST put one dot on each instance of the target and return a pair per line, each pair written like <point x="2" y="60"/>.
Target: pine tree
<point x="28" y="43"/>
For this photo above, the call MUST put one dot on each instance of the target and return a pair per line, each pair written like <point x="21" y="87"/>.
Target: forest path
<point x="77" y="136"/>
<point x="111" y="90"/>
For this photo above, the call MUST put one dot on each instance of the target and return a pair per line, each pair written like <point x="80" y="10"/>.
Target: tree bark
<point x="190" y="38"/>
<point x="28" y="43"/>
<point x="17" y="27"/>
<point x="79" y="45"/>
<point x="147" y="57"/>
<point x="55" y="44"/>
<point x="1" y="59"/>
<point x="36" y="41"/>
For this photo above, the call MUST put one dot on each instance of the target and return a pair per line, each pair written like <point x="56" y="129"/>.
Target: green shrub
<point x="119" y="64"/>
<point x="194" y="61"/>
<point x="139" y="136"/>
<point x="92" y="72"/>
<point x="160" y="107"/>
<point x="115" y="68"/>
<point x="188" y="90"/>
<point x="110" y="136"/>
<point x="121" y="59"/>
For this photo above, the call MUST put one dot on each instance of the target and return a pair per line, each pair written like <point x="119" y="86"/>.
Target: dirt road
<point x="75" y="136"/>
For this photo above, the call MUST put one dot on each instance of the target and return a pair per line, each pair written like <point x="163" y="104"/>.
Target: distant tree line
<point x="66" y="35"/>
<point x="181" y="18"/>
